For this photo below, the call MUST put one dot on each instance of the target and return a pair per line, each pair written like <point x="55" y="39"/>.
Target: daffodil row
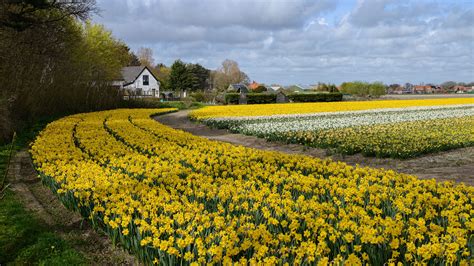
<point x="398" y="133"/>
<point x="174" y="198"/>
<point x="395" y="140"/>
<point x="320" y="107"/>
<point x="266" y="125"/>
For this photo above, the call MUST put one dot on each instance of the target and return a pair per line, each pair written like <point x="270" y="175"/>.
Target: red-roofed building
<point x="420" y="89"/>
<point x="426" y="89"/>
<point x="460" y="89"/>
<point x="252" y="86"/>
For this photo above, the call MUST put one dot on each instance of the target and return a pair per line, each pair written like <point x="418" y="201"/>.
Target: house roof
<point x="422" y="87"/>
<point x="253" y="85"/>
<point x="131" y="73"/>
<point x="238" y="87"/>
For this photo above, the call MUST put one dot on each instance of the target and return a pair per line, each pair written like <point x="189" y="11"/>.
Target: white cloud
<point x="292" y="41"/>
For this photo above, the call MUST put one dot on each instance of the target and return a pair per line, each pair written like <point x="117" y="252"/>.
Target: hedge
<point x="316" y="97"/>
<point x="157" y="103"/>
<point x="259" y="98"/>
<point x="232" y="98"/>
<point x="262" y="98"/>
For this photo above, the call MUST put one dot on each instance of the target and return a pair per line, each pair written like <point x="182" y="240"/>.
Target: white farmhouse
<point x="139" y="81"/>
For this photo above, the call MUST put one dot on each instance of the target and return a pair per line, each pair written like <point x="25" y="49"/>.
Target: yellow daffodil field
<point x="319" y="107"/>
<point x="174" y="198"/>
<point x="395" y="128"/>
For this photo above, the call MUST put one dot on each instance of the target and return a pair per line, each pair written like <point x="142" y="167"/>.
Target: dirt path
<point x="457" y="165"/>
<point x="39" y="199"/>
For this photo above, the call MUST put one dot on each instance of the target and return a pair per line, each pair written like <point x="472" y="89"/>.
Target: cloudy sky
<point x="305" y="41"/>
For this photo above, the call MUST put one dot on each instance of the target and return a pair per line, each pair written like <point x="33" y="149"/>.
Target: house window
<point x="146" y="80"/>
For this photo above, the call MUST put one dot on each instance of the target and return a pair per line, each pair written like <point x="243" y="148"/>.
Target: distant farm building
<point x="239" y="88"/>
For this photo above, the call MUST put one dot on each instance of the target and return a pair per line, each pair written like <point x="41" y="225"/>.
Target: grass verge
<point x="25" y="240"/>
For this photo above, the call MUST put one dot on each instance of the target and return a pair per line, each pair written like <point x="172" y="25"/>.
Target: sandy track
<point x="456" y="165"/>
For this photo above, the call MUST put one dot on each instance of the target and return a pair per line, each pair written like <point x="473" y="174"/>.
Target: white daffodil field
<point x="401" y="132"/>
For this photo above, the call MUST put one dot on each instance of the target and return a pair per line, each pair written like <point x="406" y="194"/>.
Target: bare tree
<point x="20" y="15"/>
<point x="51" y="64"/>
<point x="145" y="55"/>
<point x="228" y="73"/>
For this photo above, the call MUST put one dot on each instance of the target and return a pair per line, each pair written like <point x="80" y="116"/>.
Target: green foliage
<point x="199" y="76"/>
<point x="60" y="68"/>
<point x="198" y="96"/>
<point x="179" y="79"/>
<point x="377" y="89"/>
<point x="23" y="239"/>
<point x="49" y="250"/>
<point x="157" y="103"/>
<point x="17" y="229"/>
<point x="232" y="98"/>
<point x="327" y="87"/>
<point x="363" y="89"/>
<point x="190" y="77"/>
<point x="105" y="54"/>
<point x="260" y="98"/>
<point x="163" y="74"/>
<point x="316" y="97"/>
<point x="134" y="61"/>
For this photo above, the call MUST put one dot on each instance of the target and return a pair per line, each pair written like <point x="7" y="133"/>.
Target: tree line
<point x="363" y="89"/>
<point x="53" y="62"/>
<point x="191" y="77"/>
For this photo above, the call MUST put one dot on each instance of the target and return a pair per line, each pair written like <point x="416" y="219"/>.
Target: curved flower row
<point x="173" y="198"/>
<point x="308" y="108"/>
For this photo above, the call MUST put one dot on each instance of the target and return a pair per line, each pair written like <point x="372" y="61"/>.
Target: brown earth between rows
<point x="456" y="165"/>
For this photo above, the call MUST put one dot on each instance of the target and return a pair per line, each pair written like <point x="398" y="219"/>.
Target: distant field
<point x="426" y="96"/>
<point x="319" y="107"/>
<point x="390" y="128"/>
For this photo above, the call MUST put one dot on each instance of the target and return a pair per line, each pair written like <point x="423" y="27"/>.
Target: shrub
<point x="232" y="98"/>
<point x="377" y="89"/>
<point x="157" y="103"/>
<point x="316" y="97"/>
<point x="360" y="88"/>
<point x="198" y="96"/>
<point x="152" y="103"/>
<point x="259" y="98"/>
